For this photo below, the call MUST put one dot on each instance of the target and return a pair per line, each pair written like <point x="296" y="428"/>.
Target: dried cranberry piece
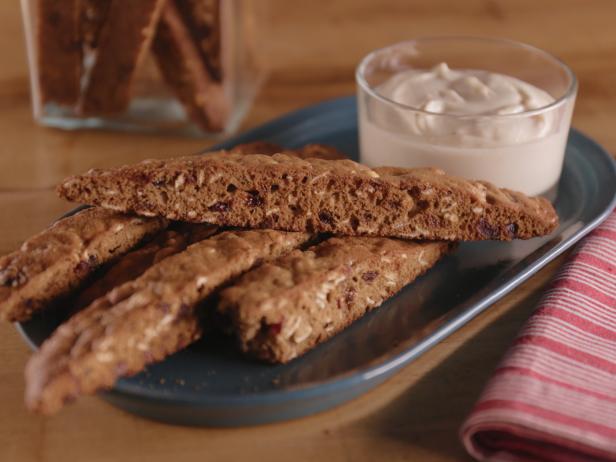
<point x="182" y="342"/>
<point x="274" y="329"/>
<point x="254" y="199"/>
<point x="326" y="217"/>
<point x="349" y="295"/>
<point x="369" y="276"/>
<point x="184" y="311"/>
<point x="414" y="192"/>
<point x="487" y="230"/>
<point x="220" y="207"/>
<point x="82" y="268"/>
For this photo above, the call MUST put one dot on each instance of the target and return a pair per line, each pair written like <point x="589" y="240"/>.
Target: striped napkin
<point x="553" y="397"/>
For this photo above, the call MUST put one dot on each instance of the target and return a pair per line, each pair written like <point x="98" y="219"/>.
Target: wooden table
<point x="313" y="48"/>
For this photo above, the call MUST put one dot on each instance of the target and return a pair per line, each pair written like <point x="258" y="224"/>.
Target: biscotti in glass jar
<point x="171" y="66"/>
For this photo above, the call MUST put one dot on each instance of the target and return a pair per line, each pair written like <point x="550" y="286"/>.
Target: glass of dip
<point x="479" y="108"/>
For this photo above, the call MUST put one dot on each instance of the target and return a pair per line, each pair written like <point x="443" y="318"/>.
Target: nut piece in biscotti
<point x="136" y="262"/>
<point x="144" y="320"/>
<point x="181" y="63"/>
<point x="124" y="39"/>
<point x="339" y="196"/>
<point x="284" y="308"/>
<point x="58" y="50"/>
<point x="56" y="261"/>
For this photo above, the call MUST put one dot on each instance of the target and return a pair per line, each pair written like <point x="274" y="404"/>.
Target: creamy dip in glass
<point x="486" y="120"/>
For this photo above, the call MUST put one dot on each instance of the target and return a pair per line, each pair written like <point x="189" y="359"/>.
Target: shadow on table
<point x="430" y="413"/>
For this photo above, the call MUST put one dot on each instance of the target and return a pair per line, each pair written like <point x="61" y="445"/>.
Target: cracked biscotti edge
<point x="338" y="196"/>
<point x="143" y="320"/>
<point x="284" y="308"/>
<point x="124" y="39"/>
<point x="57" y="260"/>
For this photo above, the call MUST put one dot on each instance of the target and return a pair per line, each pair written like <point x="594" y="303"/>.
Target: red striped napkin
<point x="553" y="397"/>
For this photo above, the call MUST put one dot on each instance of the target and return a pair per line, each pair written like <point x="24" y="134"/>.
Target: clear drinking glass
<point x="75" y="64"/>
<point x="507" y="156"/>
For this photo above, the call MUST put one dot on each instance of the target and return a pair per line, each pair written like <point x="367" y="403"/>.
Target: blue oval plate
<point x="210" y="383"/>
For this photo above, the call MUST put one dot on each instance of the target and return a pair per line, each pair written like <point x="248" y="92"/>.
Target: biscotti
<point x="124" y="39"/>
<point x="143" y="320"/>
<point x="58" y="50"/>
<point x="202" y="18"/>
<point x="57" y="260"/>
<point x="183" y="67"/>
<point x="93" y="16"/>
<point x="339" y="196"/>
<point x="134" y="263"/>
<point x="284" y="308"/>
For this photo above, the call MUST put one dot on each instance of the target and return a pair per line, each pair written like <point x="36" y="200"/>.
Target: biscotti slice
<point x="182" y="65"/>
<point x="203" y="20"/>
<point x="136" y="262"/>
<point x="339" y="196"/>
<point x="56" y="261"/>
<point x="93" y="16"/>
<point x="124" y="40"/>
<point x="284" y="308"/>
<point x="58" y="50"/>
<point x="144" y="320"/>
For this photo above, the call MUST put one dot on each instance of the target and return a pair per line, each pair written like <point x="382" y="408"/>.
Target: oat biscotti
<point x="59" y="259"/>
<point x="182" y="65"/>
<point x="143" y="320"/>
<point x="282" y="309"/>
<point x="340" y="196"/>
<point x="136" y="262"/>
<point x="123" y="42"/>
<point x="58" y="50"/>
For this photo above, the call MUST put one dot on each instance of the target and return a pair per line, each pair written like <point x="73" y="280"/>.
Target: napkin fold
<point x="553" y="397"/>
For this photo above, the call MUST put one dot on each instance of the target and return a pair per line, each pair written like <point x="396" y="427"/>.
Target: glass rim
<point x="567" y="94"/>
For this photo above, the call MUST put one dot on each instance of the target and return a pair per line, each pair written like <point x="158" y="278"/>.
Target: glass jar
<point x="182" y="67"/>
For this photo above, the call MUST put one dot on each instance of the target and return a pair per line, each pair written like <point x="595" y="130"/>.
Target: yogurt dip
<point x="471" y="123"/>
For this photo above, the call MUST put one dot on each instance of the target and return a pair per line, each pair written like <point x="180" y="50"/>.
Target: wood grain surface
<point x="312" y="49"/>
